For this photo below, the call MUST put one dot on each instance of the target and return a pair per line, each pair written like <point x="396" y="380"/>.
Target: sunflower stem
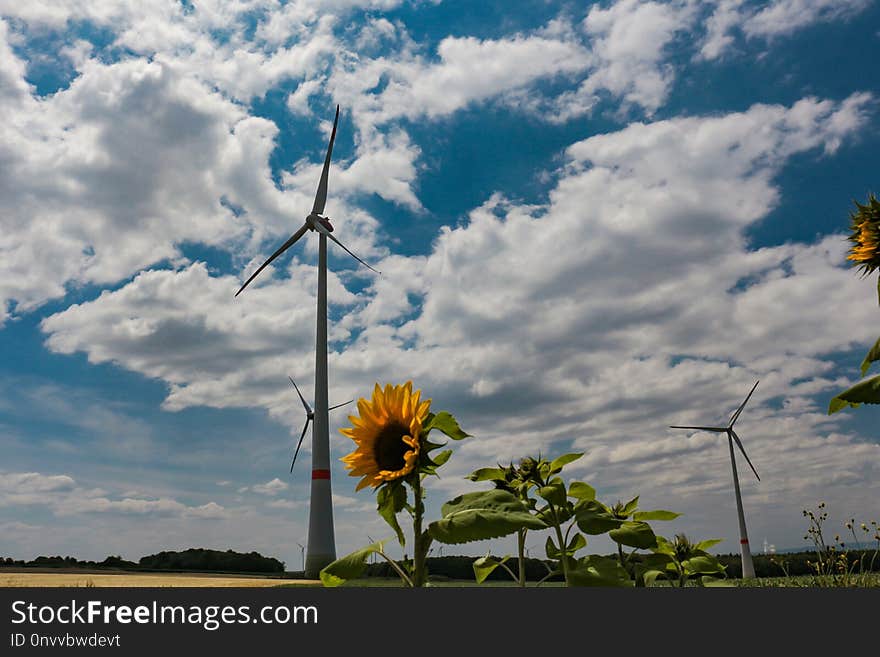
<point x="521" y="547"/>
<point x="421" y="540"/>
<point x="561" y="539"/>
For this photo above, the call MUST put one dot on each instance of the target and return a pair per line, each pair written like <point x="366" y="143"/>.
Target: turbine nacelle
<point x="313" y="219"/>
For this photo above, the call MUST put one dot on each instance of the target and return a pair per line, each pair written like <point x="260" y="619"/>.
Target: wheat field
<point x="102" y="580"/>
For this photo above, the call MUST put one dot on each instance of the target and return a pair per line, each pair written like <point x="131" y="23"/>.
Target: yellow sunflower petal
<point x="386" y="433"/>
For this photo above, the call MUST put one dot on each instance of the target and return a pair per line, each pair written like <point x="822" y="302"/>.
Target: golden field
<point x="101" y="580"/>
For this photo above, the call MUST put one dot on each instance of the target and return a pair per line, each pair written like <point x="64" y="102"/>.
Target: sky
<point x="593" y="220"/>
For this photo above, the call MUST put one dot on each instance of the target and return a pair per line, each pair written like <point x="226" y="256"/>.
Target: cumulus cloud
<point x="630" y="38"/>
<point x="65" y="497"/>
<point x="769" y="20"/>
<point x="273" y="487"/>
<point x="27" y="483"/>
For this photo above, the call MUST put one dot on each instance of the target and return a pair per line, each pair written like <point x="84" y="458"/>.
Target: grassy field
<point x="81" y="579"/>
<point x="867" y="580"/>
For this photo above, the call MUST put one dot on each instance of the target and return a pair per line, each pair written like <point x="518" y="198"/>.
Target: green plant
<point x="681" y="561"/>
<point x="509" y="508"/>
<point x="833" y="566"/>
<point x="625" y="524"/>
<point x="532" y="496"/>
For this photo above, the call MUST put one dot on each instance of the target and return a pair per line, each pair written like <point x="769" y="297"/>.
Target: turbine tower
<point x="322" y="541"/>
<point x="748" y="567"/>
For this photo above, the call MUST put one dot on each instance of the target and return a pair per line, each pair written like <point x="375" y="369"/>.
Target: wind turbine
<point x="310" y="417"/>
<point x="322" y="541"/>
<point x="748" y="567"/>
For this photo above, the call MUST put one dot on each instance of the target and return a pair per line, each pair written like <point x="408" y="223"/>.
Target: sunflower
<point x="865" y="224"/>
<point x="387" y="433"/>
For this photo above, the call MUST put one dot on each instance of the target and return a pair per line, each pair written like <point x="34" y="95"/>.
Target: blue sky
<point x="592" y="221"/>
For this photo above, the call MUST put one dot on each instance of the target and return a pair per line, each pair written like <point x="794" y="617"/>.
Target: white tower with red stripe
<point x="322" y="541"/>
<point x="748" y="568"/>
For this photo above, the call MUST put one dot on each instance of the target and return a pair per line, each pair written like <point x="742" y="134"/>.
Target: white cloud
<point x="28" y="483"/>
<point x="64" y="497"/>
<point x="273" y="487"/>
<point x="783" y="17"/>
<point x="770" y="20"/>
<point x="466" y="71"/>
<point x="630" y="38"/>
<point x="725" y="17"/>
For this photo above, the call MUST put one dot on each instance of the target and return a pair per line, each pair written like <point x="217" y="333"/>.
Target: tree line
<point x="193" y="559"/>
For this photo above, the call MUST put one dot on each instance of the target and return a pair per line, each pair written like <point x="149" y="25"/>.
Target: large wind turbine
<point x="748" y="567"/>
<point x="322" y="542"/>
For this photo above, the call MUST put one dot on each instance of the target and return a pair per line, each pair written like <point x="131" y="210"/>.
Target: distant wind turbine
<point x="310" y="416"/>
<point x="322" y="541"/>
<point x="748" y="567"/>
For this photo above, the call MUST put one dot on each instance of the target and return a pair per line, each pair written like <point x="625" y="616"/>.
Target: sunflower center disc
<point x="389" y="448"/>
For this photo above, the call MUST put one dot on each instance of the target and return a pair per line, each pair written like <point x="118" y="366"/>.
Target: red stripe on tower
<point x="320" y="474"/>
<point x="744" y="541"/>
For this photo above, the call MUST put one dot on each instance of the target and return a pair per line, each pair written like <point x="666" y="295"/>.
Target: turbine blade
<point x="742" y="449"/>
<point x="349" y="252"/>
<point x="284" y="247"/>
<point x="340" y="405"/>
<point x="715" y="429"/>
<point x="302" y="399"/>
<point x="321" y="195"/>
<point x="735" y="416"/>
<point x="302" y="435"/>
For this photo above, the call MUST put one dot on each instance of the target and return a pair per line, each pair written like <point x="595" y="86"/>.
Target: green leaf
<point x="866" y="392"/>
<point x="391" y="500"/>
<point x="635" y="534"/>
<point x="484" y="566"/>
<point x="702" y="565"/>
<point x="558" y="463"/>
<point x="653" y="566"/>
<point x="872" y="357"/>
<point x="350" y="566"/>
<point x="444" y="422"/>
<point x="554" y="493"/>
<point x="482" y="515"/>
<point x="595" y="570"/>
<point x="655" y="515"/>
<point x="581" y="491"/>
<point x="664" y="547"/>
<point x="705" y="545"/>
<point x="630" y="507"/>
<point x="593" y="518"/>
<point x="441" y="458"/>
<point x="576" y="543"/>
<point x="650" y="576"/>
<point x="487" y="474"/>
